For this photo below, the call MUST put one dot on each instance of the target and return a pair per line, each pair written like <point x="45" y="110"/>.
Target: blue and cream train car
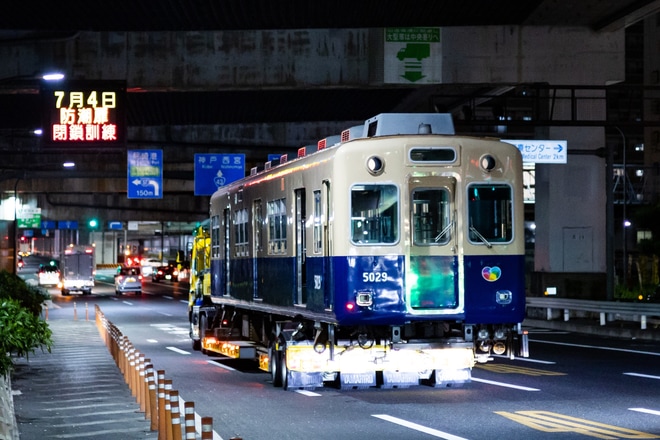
<point x="391" y="258"/>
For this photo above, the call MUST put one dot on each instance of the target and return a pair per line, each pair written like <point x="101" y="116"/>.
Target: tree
<point x="22" y="330"/>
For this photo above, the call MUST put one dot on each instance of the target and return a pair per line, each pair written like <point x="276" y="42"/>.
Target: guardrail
<point x="627" y="311"/>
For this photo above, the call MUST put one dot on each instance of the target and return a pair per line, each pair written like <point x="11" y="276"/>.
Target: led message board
<point x="84" y="113"/>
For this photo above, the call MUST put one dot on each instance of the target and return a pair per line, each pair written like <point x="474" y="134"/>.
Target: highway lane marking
<point x="597" y="347"/>
<point x="504" y="384"/>
<point x="308" y="393"/>
<point x="646" y="411"/>
<point x="128" y="303"/>
<point x="509" y="369"/>
<point x="535" y="361"/>
<point x="646" y="376"/>
<point x="177" y="350"/>
<point x="218" y="364"/>
<point x="198" y="419"/>
<point x="183" y="301"/>
<point x="547" y="421"/>
<point x="417" y="427"/>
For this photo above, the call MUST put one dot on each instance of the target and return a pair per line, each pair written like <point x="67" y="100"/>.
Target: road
<point x="573" y="387"/>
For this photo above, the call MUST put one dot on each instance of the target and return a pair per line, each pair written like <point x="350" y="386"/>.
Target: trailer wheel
<point x="283" y="371"/>
<point x="202" y="331"/>
<point x="275" y="366"/>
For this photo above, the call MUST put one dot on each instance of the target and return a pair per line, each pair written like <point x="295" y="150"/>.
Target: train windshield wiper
<point x="480" y="237"/>
<point x="444" y="232"/>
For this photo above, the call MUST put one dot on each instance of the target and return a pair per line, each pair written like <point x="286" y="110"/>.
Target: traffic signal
<point x="93" y="223"/>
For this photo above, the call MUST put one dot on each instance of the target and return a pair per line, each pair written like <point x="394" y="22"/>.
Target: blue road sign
<point x="115" y="225"/>
<point x="48" y="224"/>
<point x="67" y="224"/>
<point x="145" y="174"/>
<point x="215" y="170"/>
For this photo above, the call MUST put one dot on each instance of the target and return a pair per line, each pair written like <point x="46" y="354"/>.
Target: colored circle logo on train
<point x="491" y="273"/>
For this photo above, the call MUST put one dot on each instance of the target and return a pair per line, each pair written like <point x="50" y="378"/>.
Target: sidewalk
<point x="77" y="391"/>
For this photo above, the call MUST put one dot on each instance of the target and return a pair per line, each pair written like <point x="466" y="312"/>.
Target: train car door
<point x="301" y="297"/>
<point x="257" y="224"/>
<point x="433" y="261"/>
<point x="226" y="223"/>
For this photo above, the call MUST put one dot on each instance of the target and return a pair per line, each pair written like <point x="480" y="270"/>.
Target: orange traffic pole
<point x="168" y="410"/>
<point x="176" y="415"/>
<point x="189" y="417"/>
<point x="207" y="428"/>
<point x="162" y="430"/>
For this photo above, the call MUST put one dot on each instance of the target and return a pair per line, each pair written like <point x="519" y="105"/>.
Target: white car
<point x="49" y="276"/>
<point x="149" y="265"/>
<point x="128" y="279"/>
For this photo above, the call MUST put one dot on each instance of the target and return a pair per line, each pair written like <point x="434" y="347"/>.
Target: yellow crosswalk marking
<point x="547" y="421"/>
<point x="510" y="369"/>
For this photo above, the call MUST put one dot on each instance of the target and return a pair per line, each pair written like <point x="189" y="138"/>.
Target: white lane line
<point x="308" y="393"/>
<point x="502" y="384"/>
<point x="167" y="297"/>
<point x="166" y="314"/>
<point x="153" y="341"/>
<point x="184" y="301"/>
<point x="624" y="350"/>
<point x="177" y="350"/>
<point x="218" y="364"/>
<point x="646" y="376"/>
<point x="416" y="427"/>
<point x="198" y="419"/>
<point x="646" y="411"/>
<point x="128" y="303"/>
<point x="535" y="361"/>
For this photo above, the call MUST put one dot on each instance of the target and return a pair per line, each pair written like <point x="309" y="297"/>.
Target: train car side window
<point x="374" y="214"/>
<point x="431" y="216"/>
<point x="276" y="210"/>
<point x="317" y="222"/>
<point x="215" y="236"/>
<point x="240" y="232"/>
<point x="490" y="213"/>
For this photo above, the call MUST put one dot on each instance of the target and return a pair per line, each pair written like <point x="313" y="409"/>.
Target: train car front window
<point x="374" y="214"/>
<point x="490" y="213"/>
<point x="431" y="216"/>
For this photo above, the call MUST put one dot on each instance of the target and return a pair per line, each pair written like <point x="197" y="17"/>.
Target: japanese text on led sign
<point x="84" y="113"/>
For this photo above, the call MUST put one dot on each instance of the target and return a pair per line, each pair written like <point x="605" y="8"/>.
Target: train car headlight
<point x="487" y="162"/>
<point x="375" y="165"/>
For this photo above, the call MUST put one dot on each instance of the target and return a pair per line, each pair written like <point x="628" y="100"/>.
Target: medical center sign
<point x="84" y="113"/>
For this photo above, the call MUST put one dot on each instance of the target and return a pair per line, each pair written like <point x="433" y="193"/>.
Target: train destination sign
<point x="145" y="174"/>
<point x="545" y="151"/>
<point x="85" y="113"/>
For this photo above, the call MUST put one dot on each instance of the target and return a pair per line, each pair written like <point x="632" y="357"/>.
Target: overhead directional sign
<point x="215" y="170"/>
<point x="28" y="217"/>
<point x="145" y="174"/>
<point x="534" y="151"/>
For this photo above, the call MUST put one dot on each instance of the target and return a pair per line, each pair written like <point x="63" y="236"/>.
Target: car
<point x="149" y="265"/>
<point x="169" y="273"/>
<point x="128" y="279"/>
<point x="49" y="276"/>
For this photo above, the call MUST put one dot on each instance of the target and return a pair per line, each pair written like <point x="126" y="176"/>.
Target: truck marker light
<point x="350" y="306"/>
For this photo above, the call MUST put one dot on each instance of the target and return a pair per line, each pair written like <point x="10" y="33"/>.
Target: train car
<point x="393" y="256"/>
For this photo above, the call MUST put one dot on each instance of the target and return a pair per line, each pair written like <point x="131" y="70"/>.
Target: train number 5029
<point x="374" y="277"/>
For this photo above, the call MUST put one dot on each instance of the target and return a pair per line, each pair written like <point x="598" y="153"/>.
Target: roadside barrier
<point x="152" y="391"/>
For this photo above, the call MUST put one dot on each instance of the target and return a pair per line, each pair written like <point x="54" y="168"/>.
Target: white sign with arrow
<point x="534" y="151"/>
